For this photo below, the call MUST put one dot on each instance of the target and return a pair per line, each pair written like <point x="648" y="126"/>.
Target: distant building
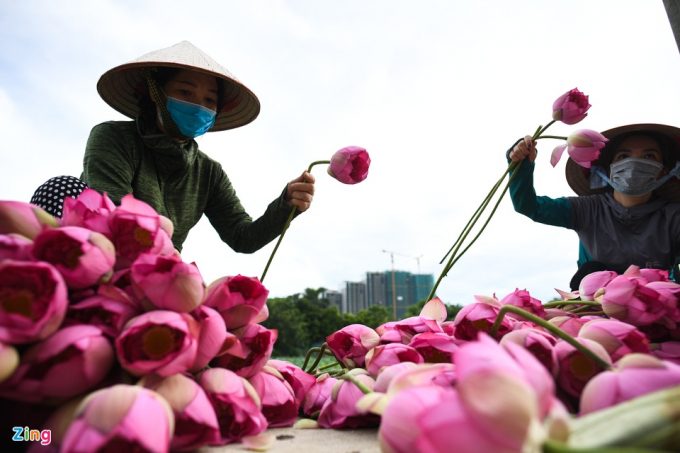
<point x="421" y="285"/>
<point x="354" y="297"/>
<point x="409" y="289"/>
<point x="334" y="300"/>
<point x="376" y="289"/>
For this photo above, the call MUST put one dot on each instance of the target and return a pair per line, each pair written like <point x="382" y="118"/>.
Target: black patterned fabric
<point x="50" y="196"/>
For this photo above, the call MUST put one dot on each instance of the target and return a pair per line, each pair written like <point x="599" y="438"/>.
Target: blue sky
<point x="436" y="91"/>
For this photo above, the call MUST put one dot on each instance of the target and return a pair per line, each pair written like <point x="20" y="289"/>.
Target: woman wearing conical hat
<point x="628" y="208"/>
<point x="174" y="95"/>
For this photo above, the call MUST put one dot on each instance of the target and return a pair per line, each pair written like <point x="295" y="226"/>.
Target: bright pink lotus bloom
<point x="571" y="107"/>
<point x="631" y="300"/>
<point x="137" y="228"/>
<point x="635" y="375"/>
<point x="213" y="339"/>
<point x="84" y="258"/>
<point x="109" y="309"/>
<point x="435" y="347"/>
<point x="340" y="411"/>
<point x="389" y="354"/>
<point x="24" y="219"/>
<point x="592" y="283"/>
<point x="654" y="275"/>
<point x="256" y="344"/>
<point x="298" y="380"/>
<point x="350" y="165"/>
<point x="9" y="360"/>
<point x="195" y="420"/>
<point x="238" y="299"/>
<point x="393" y="336"/>
<point x="351" y="344"/>
<point x="522" y="299"/>
<point x="617" y="338"/>
<point x="279" y="405"/>
<point x="414" y="325"/>
<point x="668" y="350"/>
<point x="572" y="369"/>
<point x="236" y="404"/>
<point x="89" y="210"/>
<point x="161" y="342"/>
<point x="537" y="342"/>
<point x="317" y="395"/>
<point x="66" y="364"/>
<point x="15" y="247"/>
<point x="122" y="418"/>
<point x="33" y="301"/>
<point x="480" y="317"/>
<point x="167" y="283"/>
<point x="582" y="146"/>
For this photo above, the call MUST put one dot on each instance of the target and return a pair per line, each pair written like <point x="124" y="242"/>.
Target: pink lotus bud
<point x="350" y="165"/>
<point x="573" y="370"/>
<point x="480" y="317"/>
<point x="109" y="309"/>
<point x="537" y="342"/>
<point x="161" y="342"/>
<point x="414" y="325"/>
<point x="121" y="418"/>
<point x="195" y="420"/>
<point x="551" y="313"/>
<point x="33" y="301"/>
<point x="298" y="380"/>
<point x="340" y="409"/>
<point x="238" y="299"/>
<point x="15" y="247"/>
<point x="66" y="364"/>
<point x="582" y="146"/>
<point x="394" y="336"/>
<point x="635" y="375"/>
<point x="592" y="283"/>
<point x="351" y="343"/>
<point x="317" y="395"/>
<point x="257" y="343"/>
<point x="84" y="258"/>
<point x="522" y="299"/>
<point x="631" y="300"/>
<point x="667" y="350"/>
<point x="435" y="347"/>
<point x="571" y="325"/>
<point x="389" y="354"/>
<point x="279" y="405"/>
<point x="213" y="337"/>
<point x="654" y="275"/>
<point x="89" y="210"/>
<point x="9" y="360"/>
<point x="388" y="373"/>
<point x="617" y="338"/>
<point x="236" y="404"/>
<point x="24" y="218"/>
<point x="167" y="283"/>
<point x="571" y="107"/>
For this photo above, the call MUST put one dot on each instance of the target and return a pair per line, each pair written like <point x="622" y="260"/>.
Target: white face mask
<point x="635" y="176"/>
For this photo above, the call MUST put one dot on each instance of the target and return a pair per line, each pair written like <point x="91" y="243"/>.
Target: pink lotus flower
<point x="668" y="351"/>
<point x="537" y="342"/>
<point x="256" y="345"/>
<point x="350" y="165"/>
<point x="631" y="300"/>
<point x="167" y="283"/>
<point x="551" y="313"/>
<point x="340" y="411"/>
<point x="9" y="361"/>
<point x="298" y="380"/>
<point x="317" y="395"/>
<point x="571" y="107"/>
<point x="435" y="347"/>
<point x="24" y="219"/>
<point x="161" y="342"/>
<point x="582" y="146"/>
<point x="522" y="299"/>
<point x="573" y="370"/>
<point x="389" y="354"/>
<point x="480" y="317"/>
<point x="279" y="405"/>
<point x="66" y="364"/>
<point x="635" y="375"/>
<point x="195" y="420"/>
<point x="571" y="325"/>
<point x="617" y="338"/>
<point x="414" y="325"/>
<point x="89" y="210"/>
<point x="592" y="283"/>
<point x="213" y="339"/>
<point x="15" y="247"/>
<point x="33" y="301"/>
<point x="388" y="373"/>
<point x="654" y="275"/>
<point x="109" y="309"/>
<point x="236" y="404"/>
<point x="238" y="299"/>
<point x="351" y="343"/>
<point x="121" y="418"/>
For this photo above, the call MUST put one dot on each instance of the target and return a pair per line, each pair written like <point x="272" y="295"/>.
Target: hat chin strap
<point x="168" y="123"/>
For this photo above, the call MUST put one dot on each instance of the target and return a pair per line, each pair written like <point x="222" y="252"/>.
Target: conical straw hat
<point x="123" y="86"/>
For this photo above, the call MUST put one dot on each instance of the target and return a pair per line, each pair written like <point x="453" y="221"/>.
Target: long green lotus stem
<point x="330" y="365"/>
<point x="569" y="302"/>
<point x="357" y="382"/>
<point x="558" y="137"/>
<point x="584" y="308"/>
<point x="290" y="219"/>
<point x="309" y="354"/>
<point x="319" y="356"/>
<point x="583" y="349"/>
<point x="591" y="313"/>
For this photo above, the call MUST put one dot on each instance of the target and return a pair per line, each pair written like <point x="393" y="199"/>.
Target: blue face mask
<point x="632" y="176"/>
<point x="192" y="119"/>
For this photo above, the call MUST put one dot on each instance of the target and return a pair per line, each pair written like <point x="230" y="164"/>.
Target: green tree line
<point x="304" y="320"/>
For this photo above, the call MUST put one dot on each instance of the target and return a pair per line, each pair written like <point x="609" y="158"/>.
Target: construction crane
<point x="394" y="292"/>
